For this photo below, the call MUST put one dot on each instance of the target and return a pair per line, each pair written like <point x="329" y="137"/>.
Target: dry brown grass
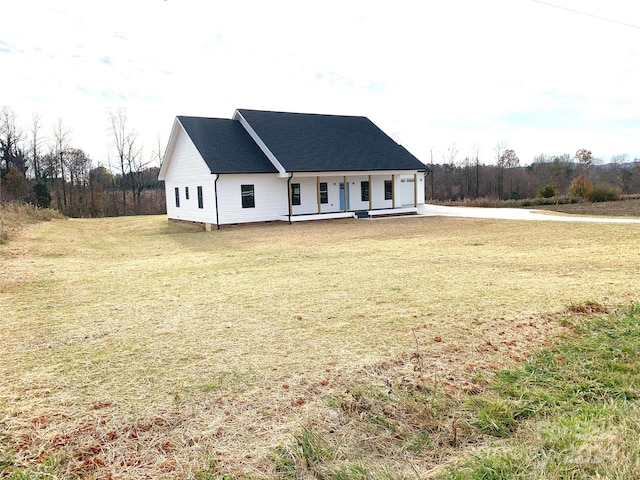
<point x="15" y="215"/>
<point x="135" y="348"/>
<point x="624" y="208"/>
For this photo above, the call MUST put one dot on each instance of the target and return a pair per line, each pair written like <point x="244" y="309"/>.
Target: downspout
<point x="215" y="192"/>
<point x="289" y="195"/>
<point x="344" y="193"/>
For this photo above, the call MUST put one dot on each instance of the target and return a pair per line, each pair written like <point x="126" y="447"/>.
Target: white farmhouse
<point x="265" y="166"/>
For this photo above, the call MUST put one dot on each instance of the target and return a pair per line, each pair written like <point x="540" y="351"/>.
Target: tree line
<point x="45" y="168"/>
<point x="547" y="176"/>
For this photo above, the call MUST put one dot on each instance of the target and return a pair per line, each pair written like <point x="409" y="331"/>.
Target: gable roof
<point x="311" y="142"/>
<point x="225" y="146"/>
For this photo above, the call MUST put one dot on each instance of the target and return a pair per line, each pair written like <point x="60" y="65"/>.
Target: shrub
<point x="41" y="197"/>
<point x="603" y="194"/>
<point x="548" y="191"/>
<point x="580" y="186"/>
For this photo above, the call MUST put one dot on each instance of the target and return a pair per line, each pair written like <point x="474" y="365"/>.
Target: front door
<point x="342" y="195"/>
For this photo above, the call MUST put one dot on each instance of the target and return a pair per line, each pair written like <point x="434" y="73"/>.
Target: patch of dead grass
<point x="136" y="348"/>
<point x="622" y="208"/>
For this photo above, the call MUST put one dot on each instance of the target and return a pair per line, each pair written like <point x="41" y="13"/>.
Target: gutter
<point x="215" y="192"/>
<point x="289" y="195"/>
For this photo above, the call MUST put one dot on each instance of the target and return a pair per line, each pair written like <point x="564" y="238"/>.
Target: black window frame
<point x="186" y="193"/>
<point x="200" y="199"/>
<point x="295" y="194"/>
<point x="248" y="195"/>
<point x="177" y="190"/>
<point x="324" y="192"/>
<point x="364" y="191"/>
<point x="388" y="190"/>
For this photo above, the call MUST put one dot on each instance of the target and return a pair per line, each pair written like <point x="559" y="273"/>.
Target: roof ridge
<point x="301" y="113"/>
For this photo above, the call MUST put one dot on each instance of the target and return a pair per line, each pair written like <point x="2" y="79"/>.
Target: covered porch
<point x="327" y="195"/>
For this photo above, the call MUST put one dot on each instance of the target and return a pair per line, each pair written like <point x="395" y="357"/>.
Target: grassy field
<point x="137" y="348"/>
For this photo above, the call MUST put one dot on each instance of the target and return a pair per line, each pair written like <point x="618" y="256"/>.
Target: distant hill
<point x="625" y="165"/>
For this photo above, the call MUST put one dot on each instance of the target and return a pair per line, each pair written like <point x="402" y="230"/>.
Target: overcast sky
<point x="432" y="74"/>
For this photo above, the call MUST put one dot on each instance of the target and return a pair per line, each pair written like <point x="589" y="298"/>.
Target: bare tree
<point x="125" y="142"/>
<point x="476" y="158"/>
<point x="35" y="144"/>
<point x="449" y="167"/>
<point x="471" y="167"/>
<point x="11" y="137"/>
<point x="79" y="166"/>
<point x="499" y="150"/>
<point x="509" y="160"/>
<point x="618" y="174"/>
<point x="122" y="141"/>
<point x="158" y="155"/>
<point x="59" y="149"/>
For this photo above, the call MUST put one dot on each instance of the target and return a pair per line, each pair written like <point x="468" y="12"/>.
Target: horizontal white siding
<point x="355" y="193"/>
<point x="308" y="196"/>
<point x="377" y="192"/>
<point x="188" y="169"/>
<point x="333" y="194"/>
<point x="271" y="199"/>
<point x="420" y="186"/>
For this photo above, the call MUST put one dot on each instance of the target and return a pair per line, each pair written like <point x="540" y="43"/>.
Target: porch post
<point x="344" y="192"/>
<point x="318" y="194"/>
<point x="370" y="191"/>
<point x="289" y="195"/>
<point x="415" y="189"/>
<point x="393" y="191"/>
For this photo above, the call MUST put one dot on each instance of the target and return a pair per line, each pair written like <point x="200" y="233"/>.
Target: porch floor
<point x="351" y="214"/>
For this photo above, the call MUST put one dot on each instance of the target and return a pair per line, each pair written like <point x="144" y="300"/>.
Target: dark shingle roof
<point x="309" y="142"/>
<point x="226" y="146"/>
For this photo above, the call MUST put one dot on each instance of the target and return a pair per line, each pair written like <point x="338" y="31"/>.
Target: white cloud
<point x="430" y="73"/>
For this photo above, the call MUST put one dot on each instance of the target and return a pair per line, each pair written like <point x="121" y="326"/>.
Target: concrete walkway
<point x="514" y="214"/>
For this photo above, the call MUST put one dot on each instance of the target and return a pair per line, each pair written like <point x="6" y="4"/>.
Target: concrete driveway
<point x="514" y="214"/>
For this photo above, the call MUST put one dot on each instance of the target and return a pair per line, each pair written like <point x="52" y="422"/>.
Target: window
<point x="177" y="197"/>
<point x="324" y="193"/>
<point x="364" y="191"/>
<point x="200" y="201"/>
<point x="295" y="194"/>
<point x="388" y="190"/>
<point x="248" y="196"/>
<point x="186" y="193"/>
